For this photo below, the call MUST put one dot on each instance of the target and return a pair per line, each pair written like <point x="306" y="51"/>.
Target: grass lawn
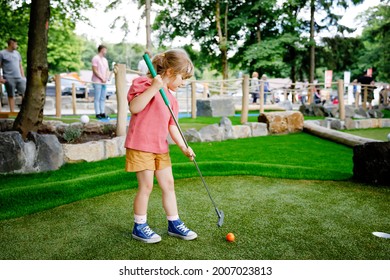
<point x="295" y="156"/>
<point x="272" y="218"/>
<point x="373" y="133"/>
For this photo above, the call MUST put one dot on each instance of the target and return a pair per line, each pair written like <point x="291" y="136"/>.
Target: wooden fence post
<point x="121" y="95"/>
<point x="245" y="99"/>
<point x="365" y="98"/>
<point x="57" y="80"/>
<point x="340" y="91"/>
<point x="193" y="99"/>
<point x="205" y="88"/>
<point x="261" y="97"/>
<point x="357" y="99"/>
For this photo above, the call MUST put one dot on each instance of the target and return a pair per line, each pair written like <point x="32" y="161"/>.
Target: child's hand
<point x="188" y="152"/>
<point x="157" y="82"/>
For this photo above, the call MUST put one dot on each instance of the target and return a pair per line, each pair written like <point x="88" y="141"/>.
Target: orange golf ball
<point x="230" y="237"/>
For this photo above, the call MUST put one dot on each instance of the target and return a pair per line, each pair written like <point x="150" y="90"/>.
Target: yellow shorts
<point x="139" y="161"/>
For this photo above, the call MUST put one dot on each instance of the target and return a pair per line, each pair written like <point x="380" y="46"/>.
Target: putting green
<point x="271" y="218"/>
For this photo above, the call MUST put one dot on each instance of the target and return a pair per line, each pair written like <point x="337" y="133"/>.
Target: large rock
<point x="12" y="156"/>
<point x="226" y="125"/>
<point x="192" y="135"/>
<point x="375" y="114"/>
<point x="52" y="127"/>
<point x="49" y="152"/>
<point x="318" y="110"/>
<point x="6" y="125"/>
<point x="282" y="122"/>
<point x="211" y="133"/>
<point x="215" y="107"/>
<point x="39" y="153"/>
<point x="372" y="163"/>
<point x="349" y="111"/>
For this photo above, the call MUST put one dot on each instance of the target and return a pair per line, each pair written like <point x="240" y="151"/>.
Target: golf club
<point x="220" y="213"/>
<point x="381" y="234"/>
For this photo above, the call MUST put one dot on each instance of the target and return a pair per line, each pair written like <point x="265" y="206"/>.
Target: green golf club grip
<point x="154" y="74"/>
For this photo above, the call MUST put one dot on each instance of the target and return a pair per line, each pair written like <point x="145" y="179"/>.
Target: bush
<point x="72" y="133"/>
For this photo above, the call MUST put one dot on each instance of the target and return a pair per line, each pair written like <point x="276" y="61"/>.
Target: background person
<point x="142" y="67"/>
<point x="255" y="87"/>
<point x="100" y="74"/>
<point x="266" y="87"/>
<point x="13" y="73"/>
<point x="367" y="82"/>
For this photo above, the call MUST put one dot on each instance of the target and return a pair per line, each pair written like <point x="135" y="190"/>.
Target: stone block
<point x="258" y="129"/>
<point x="91" y="151"/>
<point x="241" y="131"/>
<point x="371" y="163"/>
<point x="215" y="107"/>
<point x="384" y="123"/>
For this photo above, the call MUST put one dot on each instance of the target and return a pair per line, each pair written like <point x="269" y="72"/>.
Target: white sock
<point x="173" y="218"/>
<point x="139" y="219"/>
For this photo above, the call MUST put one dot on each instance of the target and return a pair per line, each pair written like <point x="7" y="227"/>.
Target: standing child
<point x="147" y="151"/>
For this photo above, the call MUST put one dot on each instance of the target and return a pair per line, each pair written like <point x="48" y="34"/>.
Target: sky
<point x="100" y="30"/>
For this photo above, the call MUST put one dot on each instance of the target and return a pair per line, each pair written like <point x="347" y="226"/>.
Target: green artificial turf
<point x="373" y="133"/>
<point x="271" y="218"/>
<point x="295" y="156"/>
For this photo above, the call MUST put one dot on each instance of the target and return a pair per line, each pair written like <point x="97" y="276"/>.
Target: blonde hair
<point x="255" y="74"/>
<point x="177" y="60"/>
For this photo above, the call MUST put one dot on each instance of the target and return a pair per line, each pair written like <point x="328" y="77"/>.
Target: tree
<point x="330" y="20"/>
<point x="376" y="40"/>
<point x="31" y="113"/>
<point x="340" y="54"/>
<point x="212" y="24"/>
<point x="64" y="47"/>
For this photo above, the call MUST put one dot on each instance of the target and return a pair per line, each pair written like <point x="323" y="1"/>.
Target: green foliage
<point x="376" y="40"/>
<point x="340" y="54"/>
<point x="64" y="48"/>
<point x="72" y="133"/>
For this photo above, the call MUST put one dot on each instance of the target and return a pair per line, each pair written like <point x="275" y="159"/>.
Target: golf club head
<point x="382" y="234"/>
<point x="221" y="217"/>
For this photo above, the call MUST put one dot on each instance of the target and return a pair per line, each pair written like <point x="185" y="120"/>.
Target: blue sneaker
<point x="178" y="229"/>
<point x="143" y="232"/>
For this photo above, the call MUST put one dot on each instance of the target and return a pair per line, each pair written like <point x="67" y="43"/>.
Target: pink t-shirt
<point x="101" y="64"/>
<point x="148" y="130"/>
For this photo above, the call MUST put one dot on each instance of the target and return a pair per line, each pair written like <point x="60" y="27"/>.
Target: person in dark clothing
<point x="367" y="82"/>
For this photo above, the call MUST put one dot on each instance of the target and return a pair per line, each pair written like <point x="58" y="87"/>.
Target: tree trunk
<point x="31" y="113"/>
<point x="148" y="28"/>
<point x="222" y="39"/>
<point x="312" y="41"/>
